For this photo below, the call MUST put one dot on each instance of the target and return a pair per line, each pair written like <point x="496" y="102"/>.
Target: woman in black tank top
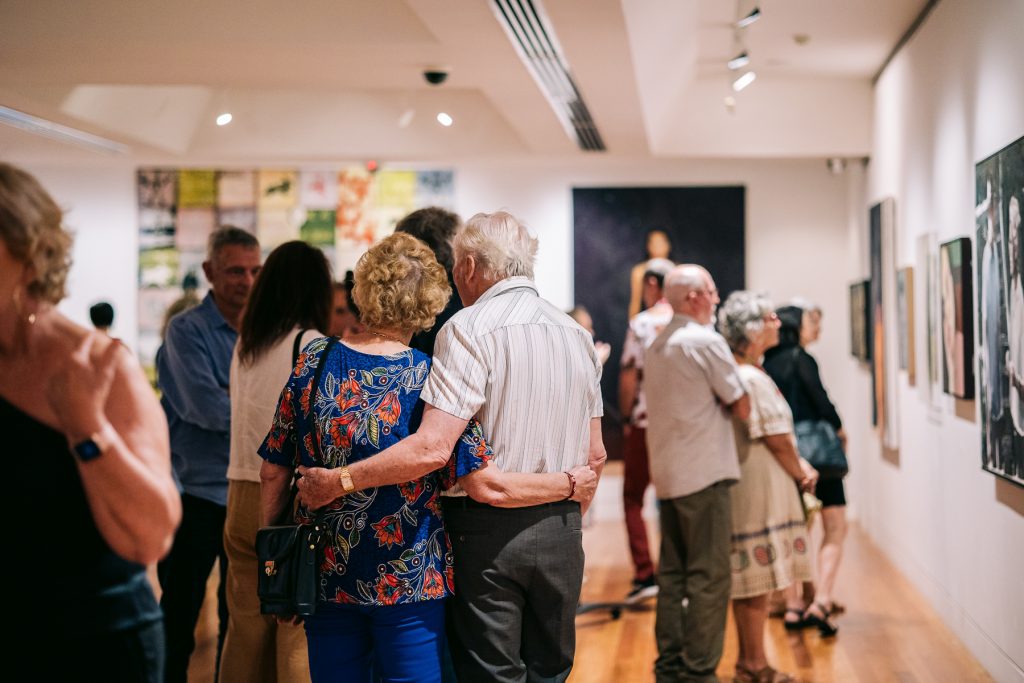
<point x="89" y="499"/>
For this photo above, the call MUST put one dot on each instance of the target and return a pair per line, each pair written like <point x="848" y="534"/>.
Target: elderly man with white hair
<point x="693" y="388"/>
<point x="531" y="375"/>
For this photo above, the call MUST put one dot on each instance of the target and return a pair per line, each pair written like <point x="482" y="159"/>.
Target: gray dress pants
<point x="518" y="573"/>
<point x="696" y="538"/>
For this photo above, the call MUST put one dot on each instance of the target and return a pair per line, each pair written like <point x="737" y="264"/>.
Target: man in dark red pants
<point x="643" y="328"/>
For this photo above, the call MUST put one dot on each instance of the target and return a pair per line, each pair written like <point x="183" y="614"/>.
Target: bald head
<point x="691" y="291"/>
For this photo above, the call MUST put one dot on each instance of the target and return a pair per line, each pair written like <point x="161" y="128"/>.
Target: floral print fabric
<point x="387" y="545"/>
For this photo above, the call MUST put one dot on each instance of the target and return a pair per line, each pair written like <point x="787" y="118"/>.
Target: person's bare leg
<point x="834" y="522"/>
<point x="750" y="615"/>
<point x="794" y="604"/>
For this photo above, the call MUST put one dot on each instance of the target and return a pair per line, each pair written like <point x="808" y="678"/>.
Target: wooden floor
<point x="889" y="633"/>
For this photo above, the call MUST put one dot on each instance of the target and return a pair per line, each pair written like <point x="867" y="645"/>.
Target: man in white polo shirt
<point x="692" y="388"/>
<point x="531" y="375"/>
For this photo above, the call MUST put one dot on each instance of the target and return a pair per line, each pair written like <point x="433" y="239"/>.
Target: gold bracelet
<point x="346" y="480"/>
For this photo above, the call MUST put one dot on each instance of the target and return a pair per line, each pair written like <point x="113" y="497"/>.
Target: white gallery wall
<point x="951" y="97"/>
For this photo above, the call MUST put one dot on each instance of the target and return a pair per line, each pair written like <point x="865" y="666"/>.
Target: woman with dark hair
<point x="796" y="373"/>
<point x="290" y="302"/>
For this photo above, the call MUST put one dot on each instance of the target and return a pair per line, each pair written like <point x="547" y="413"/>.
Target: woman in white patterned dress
<point x="769" y="537"/>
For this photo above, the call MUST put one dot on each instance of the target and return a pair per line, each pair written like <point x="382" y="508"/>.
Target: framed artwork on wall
<point x="957" y="318"/>
<point x="615" y="228"/>
<point x="999" y="198"/>
<point x="905" y="322"/>
<point x="860" y="321"/>
<point x="882" y="243"/>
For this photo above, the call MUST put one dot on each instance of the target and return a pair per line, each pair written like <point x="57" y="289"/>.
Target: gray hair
<point x="226" y="235"/>
<point x="741" y="315"/>
<point x="500" y="244"/>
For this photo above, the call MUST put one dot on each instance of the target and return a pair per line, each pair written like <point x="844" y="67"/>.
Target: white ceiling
<point x="324" y="80"/>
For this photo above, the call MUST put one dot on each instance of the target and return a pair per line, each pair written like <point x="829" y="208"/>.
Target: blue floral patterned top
<point x="388" y="544"/>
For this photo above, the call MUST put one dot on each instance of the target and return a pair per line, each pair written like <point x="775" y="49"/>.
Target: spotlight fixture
<point x="730" y="104"/>
<point x="750" y="18"/>
<point x="739" y="61"/>
<point x="444" y="119"/>
<point x="743" y="81"/>
<point x="224" y="119"/>
<point x="836" y="165"/>
<point x="406" y="118"/>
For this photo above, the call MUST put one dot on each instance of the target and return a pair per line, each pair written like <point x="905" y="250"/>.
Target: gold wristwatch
<point x="346" y="480"/>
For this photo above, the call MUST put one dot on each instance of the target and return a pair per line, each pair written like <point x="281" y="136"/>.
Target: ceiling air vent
<point x="534" y="39"/>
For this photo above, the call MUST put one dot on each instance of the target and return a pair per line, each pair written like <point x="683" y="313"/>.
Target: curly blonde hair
<point x="31" y="228"/>
<point x="399" y="284"/>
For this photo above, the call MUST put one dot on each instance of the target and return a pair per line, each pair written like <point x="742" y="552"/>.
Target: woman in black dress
<point x="90" y="501"/>
<point x="796" y="373"/>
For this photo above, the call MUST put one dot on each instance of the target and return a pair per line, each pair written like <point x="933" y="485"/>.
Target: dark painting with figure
<point x="618" y="229"/>
<point x="860" y="321"/>
<point x="956" y="286"/>
<point x="999" y="196"/>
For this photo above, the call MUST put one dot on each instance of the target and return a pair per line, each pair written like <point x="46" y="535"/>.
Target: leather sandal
<point x="826" y="628"/>
<point x="796" y="625"/>
<point x="765" y="675"/>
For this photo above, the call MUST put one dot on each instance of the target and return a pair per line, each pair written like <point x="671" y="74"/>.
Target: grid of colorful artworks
<point x="342" y="212"/>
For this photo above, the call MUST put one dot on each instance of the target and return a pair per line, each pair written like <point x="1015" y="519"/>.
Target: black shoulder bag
<point x="289" y="554"/>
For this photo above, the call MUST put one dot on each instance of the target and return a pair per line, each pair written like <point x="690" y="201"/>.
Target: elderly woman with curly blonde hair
<point x="388" y="565"/>
<point x="90" y="495"/>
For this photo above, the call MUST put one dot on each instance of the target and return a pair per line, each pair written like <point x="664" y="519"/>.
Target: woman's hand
<point x="78" y="390"/>
<point x="318" y="486"/>
<point x="809" y="478"/>
<point x="841" y="433"/>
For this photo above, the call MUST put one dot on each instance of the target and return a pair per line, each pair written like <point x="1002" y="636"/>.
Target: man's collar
<point x="682" y="317"/>
<point x="210" y="310"/>
<point x="508" y="284"/>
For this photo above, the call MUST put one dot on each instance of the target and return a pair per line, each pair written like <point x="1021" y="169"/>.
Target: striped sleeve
<point x="458" y="377"/>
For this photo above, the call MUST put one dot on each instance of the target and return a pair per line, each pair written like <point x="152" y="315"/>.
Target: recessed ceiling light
<point x="730" y="104"/>
<point x="753" y="16"/>
<point x="743" y="81"/>
<point x="739" y="61"/>
<point x="801" y="38"/>
<point x="224" y="119"/>
<point x="406" y="118"/>
<point x="444" y="119"/>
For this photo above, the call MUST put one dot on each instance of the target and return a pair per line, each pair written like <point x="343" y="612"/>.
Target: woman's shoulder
<point x="757" y="380"/>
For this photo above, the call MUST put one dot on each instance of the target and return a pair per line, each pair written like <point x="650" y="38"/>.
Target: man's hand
<point x="318" y="486"/>
<point x="586" y="485"/>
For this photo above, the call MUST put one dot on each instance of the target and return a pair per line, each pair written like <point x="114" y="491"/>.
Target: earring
<point x="16" y="300"/>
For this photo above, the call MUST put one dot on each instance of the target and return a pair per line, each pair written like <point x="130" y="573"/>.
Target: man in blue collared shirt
<point x="193" y="368"/>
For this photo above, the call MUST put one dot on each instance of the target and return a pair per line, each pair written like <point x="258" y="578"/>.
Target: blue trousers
<point x="392" y="644"/>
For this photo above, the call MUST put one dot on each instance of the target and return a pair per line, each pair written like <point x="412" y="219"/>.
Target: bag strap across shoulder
<point x="321" y="363"/>
<point x="297" y="347"/>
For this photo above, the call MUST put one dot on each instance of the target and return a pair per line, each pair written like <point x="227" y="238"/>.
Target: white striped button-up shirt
<point x="527" y="371"/>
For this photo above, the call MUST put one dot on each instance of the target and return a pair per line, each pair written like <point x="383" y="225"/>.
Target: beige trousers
<point x="256" y="648"/>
